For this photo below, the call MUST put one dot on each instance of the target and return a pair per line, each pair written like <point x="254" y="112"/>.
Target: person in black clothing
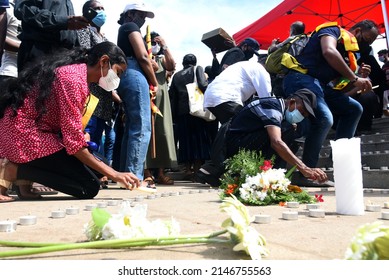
<point x="244" y="51"/>
<point x="47" y="26"/>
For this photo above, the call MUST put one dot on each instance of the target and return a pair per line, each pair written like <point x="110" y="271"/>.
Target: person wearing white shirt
<point x="228" y="92"/>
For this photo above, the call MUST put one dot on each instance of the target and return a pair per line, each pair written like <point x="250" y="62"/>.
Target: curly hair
<point x="41" y="74"/>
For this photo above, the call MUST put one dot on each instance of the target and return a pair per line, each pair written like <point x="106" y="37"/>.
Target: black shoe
<point x="299" y="180"/>
<point x="203" y="178"/>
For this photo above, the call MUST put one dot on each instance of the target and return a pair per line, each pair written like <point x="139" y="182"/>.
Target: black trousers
<point x="225" y="111"/>
<point x="63" y="173"/>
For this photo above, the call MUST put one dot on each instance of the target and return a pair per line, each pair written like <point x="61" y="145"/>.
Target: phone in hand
<point x="91" y="14"/>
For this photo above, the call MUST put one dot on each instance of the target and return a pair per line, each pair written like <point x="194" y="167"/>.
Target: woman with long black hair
<point x="41" y="127"/>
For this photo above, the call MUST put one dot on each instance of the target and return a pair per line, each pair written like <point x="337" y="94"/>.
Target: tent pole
<point x="385" y="15"/>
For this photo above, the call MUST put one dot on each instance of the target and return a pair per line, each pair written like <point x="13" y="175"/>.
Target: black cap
<point x="308" y="98"/>
<point x="255" y="46"/>
<point x="189" y="59"/>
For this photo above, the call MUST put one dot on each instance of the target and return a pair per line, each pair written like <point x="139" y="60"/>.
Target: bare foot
<point x="4" y="197"/>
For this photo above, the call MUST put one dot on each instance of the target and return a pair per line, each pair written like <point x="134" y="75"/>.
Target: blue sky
<point x="183" y="22"/>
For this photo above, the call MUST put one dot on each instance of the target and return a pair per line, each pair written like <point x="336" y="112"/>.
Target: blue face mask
<point x="293" y="116"/>
<point x="100" y="18"/>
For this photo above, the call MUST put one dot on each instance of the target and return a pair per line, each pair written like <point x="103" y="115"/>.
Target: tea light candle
<point x="292" y="204"/>
<point x="90" y="207"/>
<point x="27" y="220"/>
<point x="56" y="214"/>
<point x="203" y="191"/>
<point x="7" y="226"/>
<point x="193" y="191"/>
<point x="385" y="215"/>
<point x="316" y="213"/>
<point x="182" y="192"/>
<point x="102" y="204"/>
<point x="150" y="196"/>
<point x="139" y="198"/>
<point x="72" y="210"/>
<point x="290" y="215"/>
<point x="313" y="206"/>
<point x="262" y="219"/>
<point x="157" y="195"/>
<point x="165" y="194"/>
<point x="173" y="193"/>
<point x="386" y="205"/>
<point x="113" y="202"/>
<point x="373" y="208"/>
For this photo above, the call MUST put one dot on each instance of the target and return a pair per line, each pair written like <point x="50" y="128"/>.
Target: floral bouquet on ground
<point x="253" y="180"/>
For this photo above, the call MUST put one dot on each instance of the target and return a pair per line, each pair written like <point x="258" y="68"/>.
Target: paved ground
<point x="198" y="213"/>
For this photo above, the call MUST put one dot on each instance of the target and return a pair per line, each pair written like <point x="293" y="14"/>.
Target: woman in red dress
<point x="41" y="133"/>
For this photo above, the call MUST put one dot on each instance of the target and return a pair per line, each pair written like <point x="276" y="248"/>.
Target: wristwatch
<point x="164" y="48"/>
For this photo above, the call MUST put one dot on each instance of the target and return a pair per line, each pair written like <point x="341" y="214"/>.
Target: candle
<point x="373" y="208"/>
<point x="27" y="220"/>
<point x="385" y="215"/>
<point x="139" y="198"/>
<point x="113" y="202"/>
<point x="7" y="226"/>
<point x="193" y="191"/>
<point x="290" y="215"/>
<point x="262" y="219"/>
<point x="292" y="204"/>
<point x="316" y="213"/>
<point x="150" y="196"/>
<point x="313" y="206"/>
<point x="72" y="210"/>
<point x="56" y="214"/>
<point x="157" y="195"/>
<point x="182" y="192"/>
<point x="386" y="205"/>
<point x="102" y="204"/>
<point x="384" y="168"/>
<point x="90" y="207"/>
<point x="173" y="193"/>
<point x="165" y="194"/>
<point x="203" y="191"/>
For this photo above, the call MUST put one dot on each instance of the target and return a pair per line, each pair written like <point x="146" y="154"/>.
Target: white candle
<point x="102" y="204"/>
<point x="72" y="210"/>
<point x="262" y="219"/>
<point x="292" y="204"/>
<point x="193" y="191"/>
<point x="204" y="191"/>
<point x="7" y="226"/>
<point x="182" y="192"/>
<point x="385" y="215"/>
<point x="373" y="208"/>
<point x="290" y="215"/>
<point x="157" y="195"/>
<point x="313" y="206"/>
<point x="90" y="207"/>
<point x="56" y="214"/>
<point x="150" y="196"/>
<point x="173" y="193"/>
<point x="165" y="194"/>
<point x="386" y="205"/>
<point x="316" y="213"/>
<point x="27" y="220"/>
<point x="139" y="198"/>
<point x="113" y="202"/>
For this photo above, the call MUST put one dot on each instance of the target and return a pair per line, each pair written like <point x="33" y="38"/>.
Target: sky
<point x="182" y="23"/>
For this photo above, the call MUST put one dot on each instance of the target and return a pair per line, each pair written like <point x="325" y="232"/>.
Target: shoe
<point x="203" y="178"/>
<point x="299" y="180"/>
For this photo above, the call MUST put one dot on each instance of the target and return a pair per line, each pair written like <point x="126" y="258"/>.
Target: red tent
<point x="275" y="24"/>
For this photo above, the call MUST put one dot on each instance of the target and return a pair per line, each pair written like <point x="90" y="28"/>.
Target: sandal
<point x="43" y="190"/>
<point x="165" y="180"/>
<point x="23" y="189"/>
<point x="149" y="180"/>
<point x="4" y="184"/>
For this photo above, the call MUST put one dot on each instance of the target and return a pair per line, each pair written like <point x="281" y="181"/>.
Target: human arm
<point x="336" y="61"/>
<point x="168" y="61"/>
<point x="201" y="78"/>
<point x="286" y="154"/>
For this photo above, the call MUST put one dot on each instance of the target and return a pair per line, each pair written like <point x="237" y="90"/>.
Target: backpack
<point x="284" y="57"/>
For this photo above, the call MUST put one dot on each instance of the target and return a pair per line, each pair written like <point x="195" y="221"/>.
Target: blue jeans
<point x="315" y="129"/>
<point x="95" y="128"/>
<point x="134" y="91"/>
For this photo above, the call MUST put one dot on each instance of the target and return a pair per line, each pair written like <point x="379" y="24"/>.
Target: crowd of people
<point x="77" y="110"/>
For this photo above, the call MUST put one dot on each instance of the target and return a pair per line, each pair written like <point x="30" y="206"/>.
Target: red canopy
<point x="276" y="23"/>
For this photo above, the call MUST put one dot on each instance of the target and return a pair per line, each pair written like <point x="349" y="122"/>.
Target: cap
<point x="4" y="4"/>
<point x="189" y="59"/>
<point x="253" y="44"/>
<point x="382" y="52"/>
<point x="139" y="6"/>
<point x="308" y="98"/>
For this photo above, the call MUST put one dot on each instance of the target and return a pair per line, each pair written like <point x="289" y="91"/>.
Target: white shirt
<point x="9" y="59"/>
<point x="237" y="83"/>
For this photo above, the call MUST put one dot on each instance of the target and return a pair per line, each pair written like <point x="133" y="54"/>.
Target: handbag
<point x="196" y="101"/>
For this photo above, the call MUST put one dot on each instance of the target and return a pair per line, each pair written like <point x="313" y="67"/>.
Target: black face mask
<point x="248" y="54"/>
<point x="139" y="20"/>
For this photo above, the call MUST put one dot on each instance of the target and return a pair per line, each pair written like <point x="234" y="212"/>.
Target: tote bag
<point x="196" y="101"/>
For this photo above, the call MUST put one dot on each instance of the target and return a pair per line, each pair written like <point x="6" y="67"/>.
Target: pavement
<point x="196" y="207"/>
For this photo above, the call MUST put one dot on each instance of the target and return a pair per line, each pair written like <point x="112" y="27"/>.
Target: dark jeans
<point x="63" y="173"/>
<point x="225" y="111"/>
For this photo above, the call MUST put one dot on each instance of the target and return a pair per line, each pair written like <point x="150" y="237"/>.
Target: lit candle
<point x="292" y="204"/>
<point x="290" y="215"/>
<point x="316" y="213"/>
<point x="7" y="226"/>
<point x="373" y="208"/>
<point x="90" y="207"/>
<point x="27" y="220"/>
<point x="262" y="219"/>
<point x="72" y="210"/>
<point x="385" y="215"/>
<point x="313" y="206"/>
<point x="56" y="214"/>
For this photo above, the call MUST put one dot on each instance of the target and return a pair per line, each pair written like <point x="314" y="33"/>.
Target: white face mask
<point x="155" y="49"/>
<point x="109" y="82"/>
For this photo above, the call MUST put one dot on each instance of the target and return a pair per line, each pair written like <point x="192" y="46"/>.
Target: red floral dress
<point x="24" y="137"/>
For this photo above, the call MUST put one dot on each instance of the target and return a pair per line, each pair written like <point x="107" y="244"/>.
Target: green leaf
<point x="100" y="217"/>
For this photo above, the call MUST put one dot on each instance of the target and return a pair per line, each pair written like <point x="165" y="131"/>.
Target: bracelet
<point x="353" y="81"/>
